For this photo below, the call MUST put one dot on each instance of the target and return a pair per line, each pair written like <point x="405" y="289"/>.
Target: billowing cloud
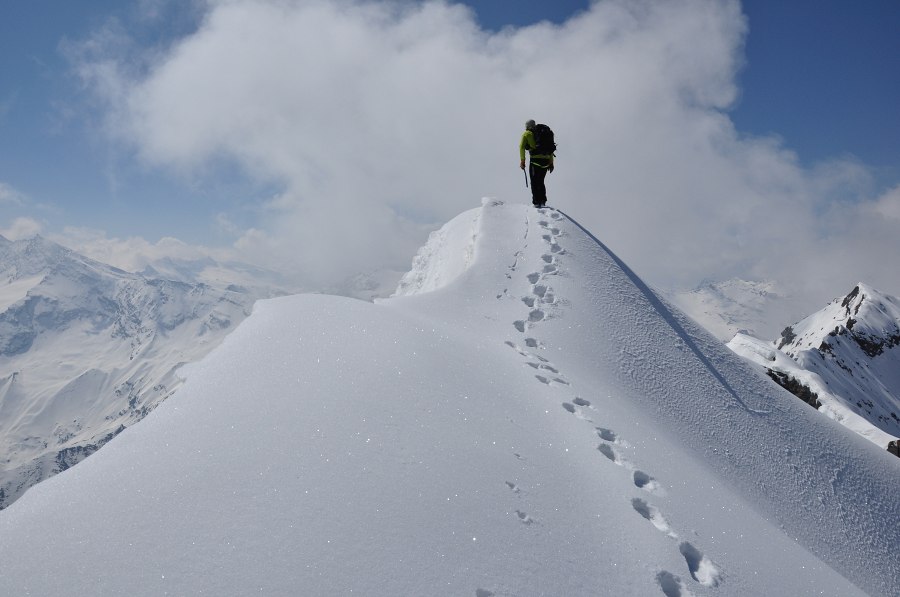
<point x="21" y="228"/>
<point x="131" y="254"/>
<point x="377" y="118"/>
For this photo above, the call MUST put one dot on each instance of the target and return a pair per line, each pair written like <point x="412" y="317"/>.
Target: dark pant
<point x="538" y="189"/>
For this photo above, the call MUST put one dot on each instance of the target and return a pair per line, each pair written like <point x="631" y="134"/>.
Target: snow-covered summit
<point x="30" y="256"/>
<point x="865" y="320"/>
<point x="527" y="418"/>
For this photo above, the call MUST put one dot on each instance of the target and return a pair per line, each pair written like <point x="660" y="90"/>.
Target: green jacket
<point x="528" y="143"/>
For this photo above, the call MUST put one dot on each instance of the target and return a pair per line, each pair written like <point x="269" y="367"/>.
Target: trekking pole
<point x="526" y="177"/>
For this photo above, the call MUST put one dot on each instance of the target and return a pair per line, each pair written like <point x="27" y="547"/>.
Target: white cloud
<point x="130" y="254"/>
<point x="376" y="116"/>
<point x="888" y="205"/>
<point x="20" y="227"/>
<point x="10" y="196"/>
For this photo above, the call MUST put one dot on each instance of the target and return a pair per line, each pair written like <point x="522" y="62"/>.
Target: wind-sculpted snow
<point x="446" y="255"/>
<point x="542" y="424"/>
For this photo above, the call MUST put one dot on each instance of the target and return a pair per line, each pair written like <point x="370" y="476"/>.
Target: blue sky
<point x="824" y="74"/>
<point x="816" y="83"/>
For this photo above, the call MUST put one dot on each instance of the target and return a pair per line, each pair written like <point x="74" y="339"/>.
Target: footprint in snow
<point x="544" y="367"/>
<point x="572" y="409"/>
<point x="544" y="224"/>
<point x="520" y="325"/>
<point x="555" y="248"/>
<point x="549" y="298"/>
<point x="516" y="348"/>
<point x="547" y="258"/>
<point x="534" y="277"/>
<point x="547" y="238"/>
<point x="672" y="585"/>
<point x="543" y="292"/>
<point x="606" y="434"/>
<point x="529" y="301"/>
<point x="536" y="315"/>
<point x="555" y="216"/>
<point x="644" y="481"/>
<point x="581" y="402"/>
<point x="531" y="343"/>
<point x="524" y="518"/>
<point x="550" y="269"/>
<point x="610" y="453"/>
<point x="702" y="569"/>
<point x="652" y="514"/>
<point x="512" y="486"/>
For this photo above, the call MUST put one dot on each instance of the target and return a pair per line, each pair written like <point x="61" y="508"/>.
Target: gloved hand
<point x="550" y="169"/>
<point x="522" y="164"/>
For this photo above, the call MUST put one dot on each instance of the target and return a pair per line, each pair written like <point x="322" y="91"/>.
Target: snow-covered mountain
<point x="731" y="306"/>
<point x="87" y="350"/>
<point x="844" y="359"/>
<point x="526" y="417"/>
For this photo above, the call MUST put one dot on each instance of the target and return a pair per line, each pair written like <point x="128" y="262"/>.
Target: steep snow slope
<point x="540" y="425"/>
<point x="87" y="349"/>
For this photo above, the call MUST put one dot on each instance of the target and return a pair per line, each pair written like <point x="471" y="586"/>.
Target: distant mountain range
<point x="87" y="350"/>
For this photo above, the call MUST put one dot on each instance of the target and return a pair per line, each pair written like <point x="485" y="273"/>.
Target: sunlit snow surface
<point x="540" y="424"/>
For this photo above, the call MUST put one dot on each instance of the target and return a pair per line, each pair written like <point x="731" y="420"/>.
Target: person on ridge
<point x="540" y="164"/>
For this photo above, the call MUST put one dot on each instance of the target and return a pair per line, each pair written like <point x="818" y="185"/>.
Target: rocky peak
<point x="868" y="318"/>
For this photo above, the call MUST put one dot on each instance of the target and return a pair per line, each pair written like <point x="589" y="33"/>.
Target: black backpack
<point x="543" y="140"/>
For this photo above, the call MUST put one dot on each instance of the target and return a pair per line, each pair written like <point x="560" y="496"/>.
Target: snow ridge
<point x="448" y="253"/>
<point x="539" y="424"/>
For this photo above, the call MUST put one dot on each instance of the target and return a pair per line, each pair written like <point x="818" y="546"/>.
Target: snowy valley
<point x="525" y="417"/>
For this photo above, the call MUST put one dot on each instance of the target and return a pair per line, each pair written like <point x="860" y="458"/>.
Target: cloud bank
<point x="10" y="196"/>
<point x="380" y="119"/>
